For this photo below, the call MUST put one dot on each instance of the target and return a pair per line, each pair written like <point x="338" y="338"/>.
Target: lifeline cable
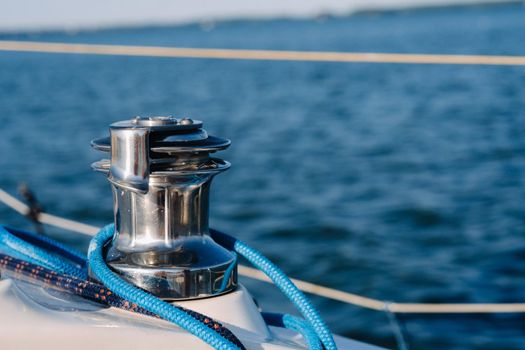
<point x="264" y="55"/>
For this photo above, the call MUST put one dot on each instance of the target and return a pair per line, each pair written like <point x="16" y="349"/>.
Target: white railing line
<point x="264" y="55"/>
<point x="307" y="287"/>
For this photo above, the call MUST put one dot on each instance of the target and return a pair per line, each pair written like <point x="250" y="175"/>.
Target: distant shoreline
<point x="416" y="8"/>
<point x="210" y="23"/>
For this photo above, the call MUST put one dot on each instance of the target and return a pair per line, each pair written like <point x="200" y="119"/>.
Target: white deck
<point x="27" y="324"/>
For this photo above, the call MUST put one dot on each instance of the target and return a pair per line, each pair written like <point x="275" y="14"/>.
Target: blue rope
<point x="12" y="245"/>
<point x="282" y="281"/>
<point x="50" y="244"/>
<point x="146" y="300"/>
<point x="301" y="326"/>
<point x="296" y="324"/>
<point x="227" y="274"/>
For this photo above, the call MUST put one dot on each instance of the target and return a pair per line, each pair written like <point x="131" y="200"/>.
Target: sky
<point x="77" y="14"/>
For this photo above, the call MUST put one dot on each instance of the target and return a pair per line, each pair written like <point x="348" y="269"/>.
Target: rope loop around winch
<point x="40" y="259"/>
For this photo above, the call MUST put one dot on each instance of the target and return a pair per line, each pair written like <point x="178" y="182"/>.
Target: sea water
<point x="398" y="182"/>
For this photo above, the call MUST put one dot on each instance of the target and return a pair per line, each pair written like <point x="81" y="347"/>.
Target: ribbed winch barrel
<point x="160" y="170"/>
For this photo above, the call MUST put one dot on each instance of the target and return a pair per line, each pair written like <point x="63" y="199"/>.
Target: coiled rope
<point x="25" y="271"/>
<point x="308" y="287"/>
<point x="264" y="55"/>
<point x="42" y="259"/>
<point x="144" y="299"/>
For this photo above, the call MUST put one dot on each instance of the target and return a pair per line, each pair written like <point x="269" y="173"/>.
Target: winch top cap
<point x="159" y="123"/>
<point x="166" y="134"/>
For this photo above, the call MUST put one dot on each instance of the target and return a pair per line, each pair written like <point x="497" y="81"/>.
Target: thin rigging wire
<point x="334" y="294"/>
<point x="265" y="55"/>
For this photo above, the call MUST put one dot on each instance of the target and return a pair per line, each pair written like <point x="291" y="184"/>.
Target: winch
<point x="160" y="170"/>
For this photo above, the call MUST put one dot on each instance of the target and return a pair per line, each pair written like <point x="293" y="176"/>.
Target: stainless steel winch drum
<point x="160" y="170"/>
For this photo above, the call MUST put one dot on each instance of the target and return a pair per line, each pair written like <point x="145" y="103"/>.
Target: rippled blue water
<point x="400" y="182"/>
